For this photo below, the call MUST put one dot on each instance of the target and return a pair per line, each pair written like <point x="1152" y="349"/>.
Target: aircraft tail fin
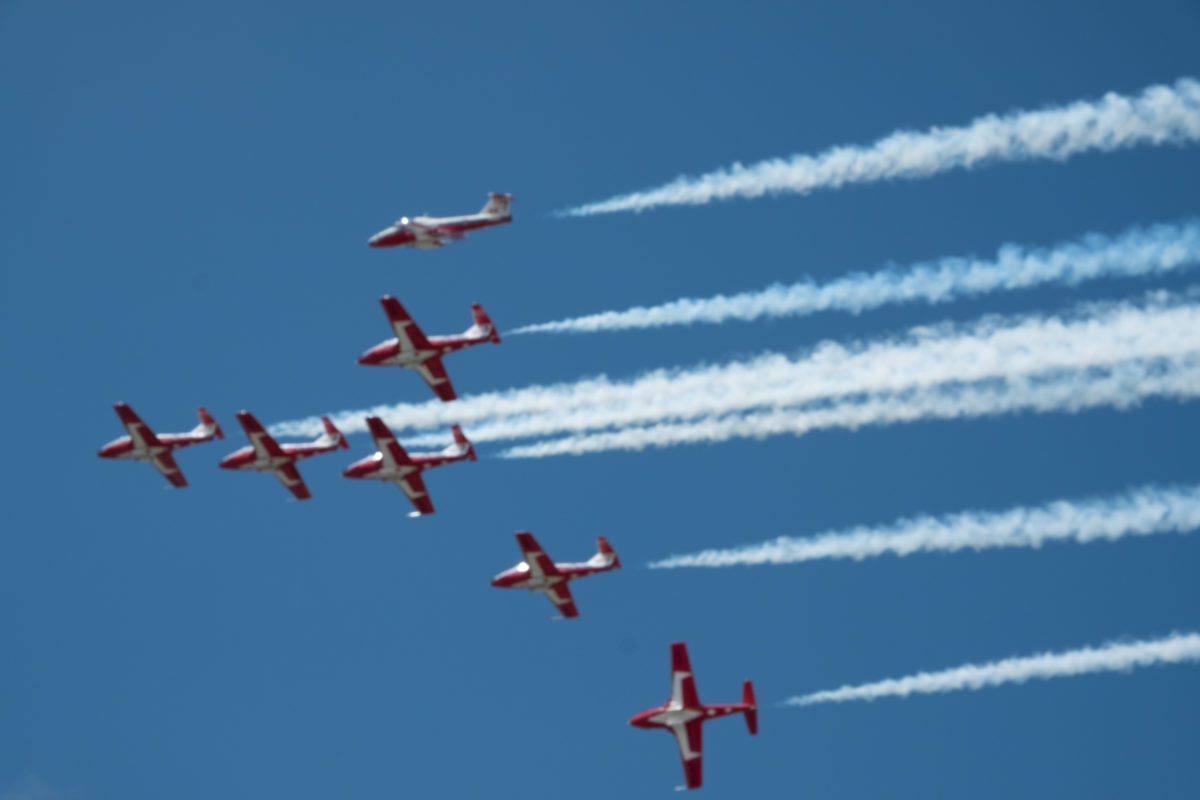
<point x="497" y="205"/>
<point x="461" y="440"/>
<point x="332" y="435"/>
<point x="483" y="324"/>
<point x="751" y="710"/>
<point x="208" y="426"/>
<point x="605" y="555"/>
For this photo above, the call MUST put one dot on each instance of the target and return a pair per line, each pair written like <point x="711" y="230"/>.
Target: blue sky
<point x="187" y="199"/>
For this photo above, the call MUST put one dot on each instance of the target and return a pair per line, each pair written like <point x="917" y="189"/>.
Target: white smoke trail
<point x="1113" y="657"/>
<point x="1120" y="386"/>
<point x="992" y="347"/>
<point x="1158" y="115"/>
<point x="1154" y="250"/>
<point x="1029" y="347"/>
<point x="1139" y="512"/>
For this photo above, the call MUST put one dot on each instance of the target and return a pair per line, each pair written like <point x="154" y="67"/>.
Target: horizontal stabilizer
<point x="334" y="434"/>
<point x="605" y="554"/>
<point x="751" y="707"/>
<point x="461" y="439"/>
<point x="497" y="205"/>
<point x="679" y="658"/>
<point x="483" y="321"/>
<point x="208" y="424"/>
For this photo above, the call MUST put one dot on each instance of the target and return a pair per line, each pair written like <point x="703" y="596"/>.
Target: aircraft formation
<point x="682" y="714"/>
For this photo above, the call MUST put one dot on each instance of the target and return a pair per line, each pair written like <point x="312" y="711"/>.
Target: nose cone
<point x="357" y="469"/>
<point x="390" y="237"/>
<point x="227" y="462"/>
<point x="640" y="720"/>
<point x="106" y="452"/>
<point x="376" y="355"/>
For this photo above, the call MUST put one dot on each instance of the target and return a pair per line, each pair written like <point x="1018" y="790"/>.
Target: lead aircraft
<point x="683" y="714"/>
<point x="264" y="454"/>
<point x="391" y="463"/>
<point x="142" y="444"/>
<point x="412" y="349"/>
<point x="538" y="573"/>
<point x="427" y="232"/>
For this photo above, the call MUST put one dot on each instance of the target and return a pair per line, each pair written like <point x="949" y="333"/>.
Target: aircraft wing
<point x="165" y="463"/>
<point x="394" y="456"/>
<point x="560" y="595"/>
<point x="434" y="373"/>
<point x="289" y="476"/>
<point x="143" y="438"/>
<point x="385" y="441"/>
<point x="539" y="563"/>
<point x="434" y="234"/>
<point x="687" y="736"/>
<point x="408" y="333"/>
<point x="683" y="685"/>
<point x="450" y="233"/>
<point x="265" y="446"/>
<point x="414" y="488"/>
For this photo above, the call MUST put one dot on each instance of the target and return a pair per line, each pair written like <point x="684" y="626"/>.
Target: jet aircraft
<point x="391" y="463"/>
<point x="411" y="348"/>
<point x="142" y="444"/>
<point x="538" y="573"/>
<point x="264" y="454"/>
<point x="426" y="232"/>
<point x="683" y="714"/>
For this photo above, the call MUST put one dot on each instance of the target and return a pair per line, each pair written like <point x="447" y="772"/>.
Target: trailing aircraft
<point x="142" y="444"/>
<point x="411" y="348"/>
<point x="683" y="714"/>
<point x="392" y="463"/>
<point x="426" y="232"/>
<point x="538" y="573"/>
<point x="264" y="454"/>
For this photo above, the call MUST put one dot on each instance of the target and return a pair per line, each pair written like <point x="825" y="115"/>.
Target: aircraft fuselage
<point x="247" y="459"/>
<point x="427" y="232"/>
<point x="373" y="468"/>
<point x="390" y="354"/>
<point x="520" y="576"/>
<point x="124" y="447"/>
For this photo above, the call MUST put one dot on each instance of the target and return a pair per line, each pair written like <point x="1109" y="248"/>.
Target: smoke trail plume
<point x="1158" y="115"/>
<point x="1154" y="250"/>
<point x="993" y="347"/>
<point x="1121" y="386"/>
<point x="1113" y="657"/>
<point x="1139" y="512"/>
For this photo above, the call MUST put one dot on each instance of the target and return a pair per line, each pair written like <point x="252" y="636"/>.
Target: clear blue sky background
<point x="185" y="201"/>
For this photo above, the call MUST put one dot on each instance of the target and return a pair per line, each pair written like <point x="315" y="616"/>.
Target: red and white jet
<point x="264" y="454"/>
<point x="539" y="574"/>
<point x="391" y="463"/>
<point x="683" y="714"/>
<point x="143" y="445"/>
<point x="426" y="232"/>
<point x="412" y="349"/>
